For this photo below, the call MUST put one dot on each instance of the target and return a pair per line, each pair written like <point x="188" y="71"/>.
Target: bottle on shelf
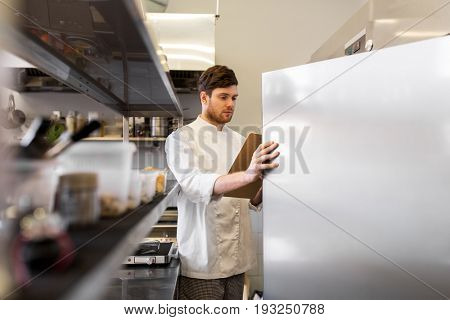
<point x="80" y="121"/>
<point x="71" y="123"/>
<point x="93" y="115"/>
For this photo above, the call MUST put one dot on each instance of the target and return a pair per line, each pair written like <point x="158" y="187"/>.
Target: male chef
<point x="214" y="231"/>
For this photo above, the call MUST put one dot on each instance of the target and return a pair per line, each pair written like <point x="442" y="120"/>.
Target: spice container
<point x="80" y="121"/>
<point x="161" y="181"/>
<point x="161" y="178"/>
<point x="76" y="198"/>
<point x="71" y="123"/>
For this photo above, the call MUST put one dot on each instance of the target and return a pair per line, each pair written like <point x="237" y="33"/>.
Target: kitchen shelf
<point x="132" y="139"/>
<point x="100" y="251"/>
<point x="166" y="225"/>
<point x="103" y="49"/>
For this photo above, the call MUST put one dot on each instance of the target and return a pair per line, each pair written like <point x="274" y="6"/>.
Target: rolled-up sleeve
<point x="182" y="159"/>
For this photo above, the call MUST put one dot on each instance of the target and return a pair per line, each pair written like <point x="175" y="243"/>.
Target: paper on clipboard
<point x="241" y="163"/>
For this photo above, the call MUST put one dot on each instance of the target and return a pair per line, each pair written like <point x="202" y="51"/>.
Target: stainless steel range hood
<point x="100" y="48"/>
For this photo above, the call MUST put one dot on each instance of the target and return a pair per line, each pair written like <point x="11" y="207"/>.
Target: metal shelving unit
<point x="104" y="50"/>
<point x="166" y="225"/>
<point x="100" y="251"/>
<point x="120" y="67"/>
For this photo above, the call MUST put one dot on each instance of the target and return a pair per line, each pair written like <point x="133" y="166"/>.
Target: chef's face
<point x="219" y="107"/>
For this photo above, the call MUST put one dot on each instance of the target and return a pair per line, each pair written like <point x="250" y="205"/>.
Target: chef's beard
<point x="217" y="117"/>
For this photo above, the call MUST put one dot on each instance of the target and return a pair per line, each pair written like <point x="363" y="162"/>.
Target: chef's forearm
<point x="230" y="182"/>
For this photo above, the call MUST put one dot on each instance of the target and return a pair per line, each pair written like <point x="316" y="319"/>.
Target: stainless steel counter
<point x="144" y="282"/>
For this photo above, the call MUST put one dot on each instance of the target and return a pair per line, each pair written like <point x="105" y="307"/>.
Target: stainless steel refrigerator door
<point x="360" y="206"/>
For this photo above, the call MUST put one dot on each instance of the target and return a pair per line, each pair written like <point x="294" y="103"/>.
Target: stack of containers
<point x="111" y="162"/>
<point x="153" y="182"/>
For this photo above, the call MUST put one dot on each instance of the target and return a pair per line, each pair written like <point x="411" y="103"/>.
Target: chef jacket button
<point x="236" y="211"/>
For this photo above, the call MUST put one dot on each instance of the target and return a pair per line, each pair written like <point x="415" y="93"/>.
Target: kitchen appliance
<point x="159" y="127"/>
<point x="153" y="252"/>
<point x="386" y="23"/>
<point x="166" y="228"/>
<point x="358" y="208"/>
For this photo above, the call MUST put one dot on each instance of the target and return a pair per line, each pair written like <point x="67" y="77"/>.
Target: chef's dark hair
<point x="216" y="77"/>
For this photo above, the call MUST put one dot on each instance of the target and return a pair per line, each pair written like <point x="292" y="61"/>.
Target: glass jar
<point x="80" y="122"/>
<point x="76" y="198"/>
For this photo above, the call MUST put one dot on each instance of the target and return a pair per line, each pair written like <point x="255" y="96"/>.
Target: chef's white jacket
<point x="214" y="232"/>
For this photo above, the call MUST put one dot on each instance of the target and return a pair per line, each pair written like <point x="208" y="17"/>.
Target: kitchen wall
<point x="256" y="36"/>
<point x="43" y="103"/>
<point x="35" y="103"/>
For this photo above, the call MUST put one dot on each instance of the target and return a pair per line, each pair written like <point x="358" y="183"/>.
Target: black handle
<point x="86" y="131"/>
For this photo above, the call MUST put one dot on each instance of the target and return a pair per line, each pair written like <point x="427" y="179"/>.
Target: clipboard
<point x="241" y="163"/>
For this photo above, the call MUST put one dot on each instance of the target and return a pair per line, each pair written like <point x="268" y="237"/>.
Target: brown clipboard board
<point x="241" y="163"/>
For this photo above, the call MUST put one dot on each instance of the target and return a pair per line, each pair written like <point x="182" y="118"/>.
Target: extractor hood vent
<point x="30" y="72"/>
<point x="99" y="48"/>
<point x="185" y="81"/>
<point x="34" y="80"/>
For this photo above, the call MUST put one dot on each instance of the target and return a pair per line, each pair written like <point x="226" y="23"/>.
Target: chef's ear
<point x="203" y="97"/>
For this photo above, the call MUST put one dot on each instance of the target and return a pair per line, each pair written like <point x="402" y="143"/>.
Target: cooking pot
<point x="159" y="127"/>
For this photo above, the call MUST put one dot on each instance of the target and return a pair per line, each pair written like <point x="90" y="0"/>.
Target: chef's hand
<point x="262" y="160"/>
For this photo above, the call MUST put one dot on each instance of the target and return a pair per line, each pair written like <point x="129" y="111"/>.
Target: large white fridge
<point x="360" y="205"/>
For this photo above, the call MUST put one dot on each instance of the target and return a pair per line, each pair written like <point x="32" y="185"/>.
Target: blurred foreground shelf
<point x="100" y="250"/>
<point x="132" y="139"/>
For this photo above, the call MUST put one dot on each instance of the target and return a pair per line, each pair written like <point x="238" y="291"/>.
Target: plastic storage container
<point x="161" y="179"/>
<point x="148" y="180"/>
<point x="134" y="193"/>
<point x="36" y="181"/>
<point x="111" y="162"/>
